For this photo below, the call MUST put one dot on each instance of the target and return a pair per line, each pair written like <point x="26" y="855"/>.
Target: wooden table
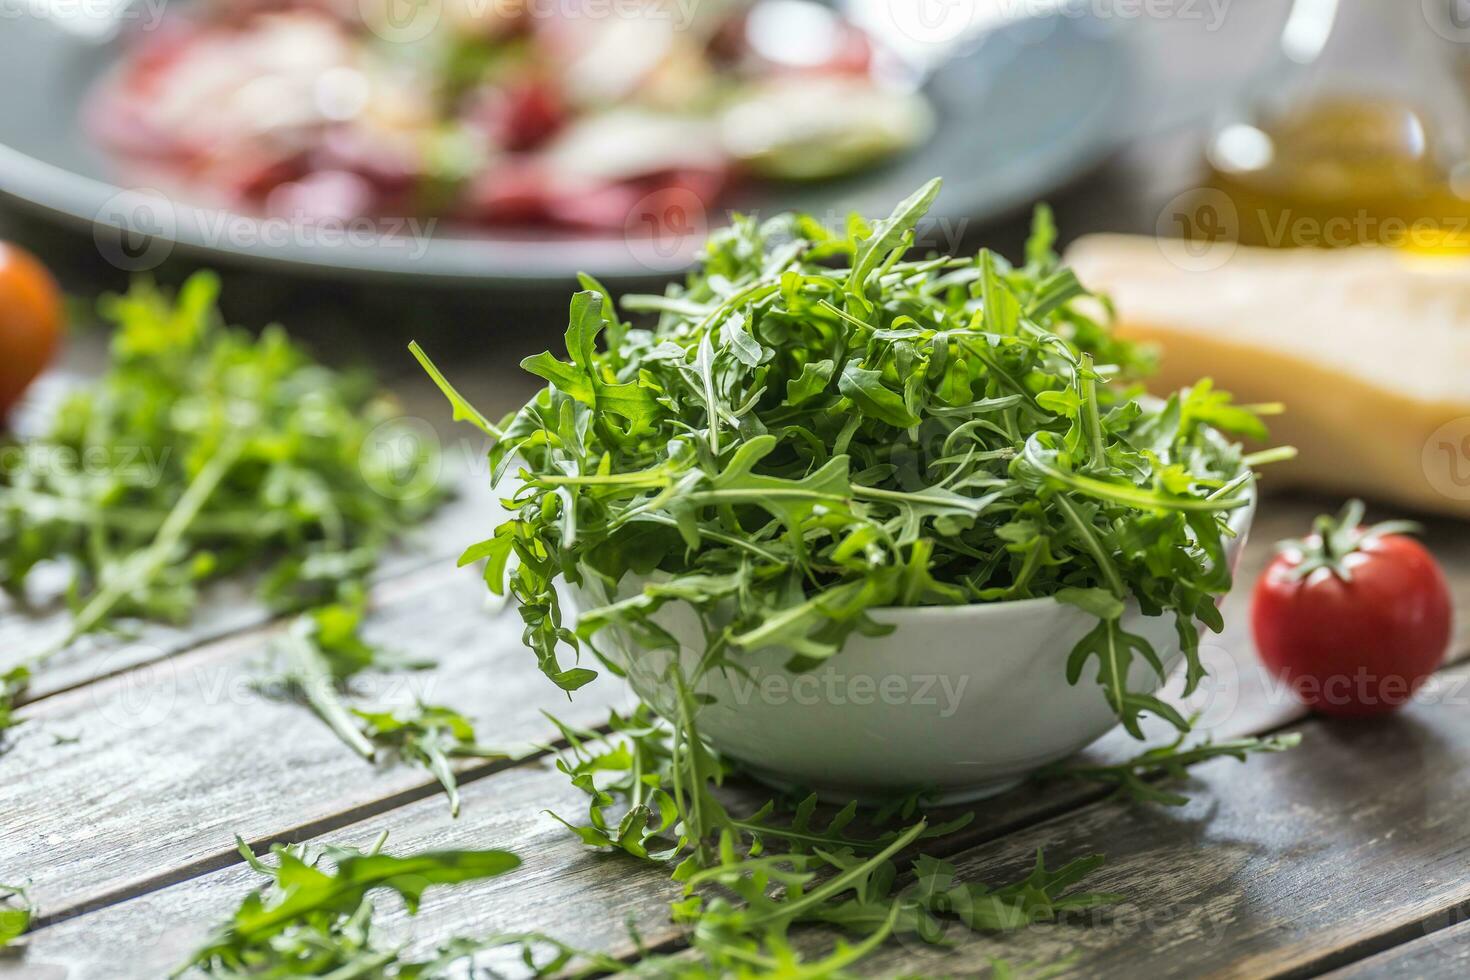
<point x="138" y="762"/>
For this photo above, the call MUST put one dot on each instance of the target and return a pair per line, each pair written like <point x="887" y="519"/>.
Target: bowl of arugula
<point x="954" y="702"/>
<point x="864" y="523"/>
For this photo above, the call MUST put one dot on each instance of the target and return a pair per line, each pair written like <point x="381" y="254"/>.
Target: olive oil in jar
<point x="1358" y="134"/>
<point x="1341" y="171"/>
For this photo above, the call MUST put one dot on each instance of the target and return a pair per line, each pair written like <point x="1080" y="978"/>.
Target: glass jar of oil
<point x="1358" y="135"/>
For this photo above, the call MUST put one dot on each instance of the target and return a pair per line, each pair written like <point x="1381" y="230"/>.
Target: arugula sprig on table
<point x="772" y="870"/>
<point x="628" y="771"/>
<point x="16" y="912"/>
<point x="1142" y="777"/>
<point x="12" y="683"/>
<point x="316" y="921"/>
<point x="320" y="655"/>
<point x="826" y="872"/>
<point x="201" y="450"/>
<point x="428" y="735"/>
<point x="205" y="450"/>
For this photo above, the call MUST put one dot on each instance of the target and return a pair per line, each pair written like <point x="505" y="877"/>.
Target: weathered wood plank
<point x="1256" y="851"/>
<point x="584" y="896"/>
<point x="169" y="760"/>
<point x="1438" y="950"/>
<point x="561" y="899"/>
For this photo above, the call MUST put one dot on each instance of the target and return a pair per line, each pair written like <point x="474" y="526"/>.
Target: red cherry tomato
<point x="1352" y="619"/>
<point x="30" y="321"/>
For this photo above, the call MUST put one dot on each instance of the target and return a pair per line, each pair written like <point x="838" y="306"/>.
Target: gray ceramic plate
<point x="1023" y="110"/>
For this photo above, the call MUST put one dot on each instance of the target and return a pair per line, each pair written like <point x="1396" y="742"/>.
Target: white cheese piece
<point x="1368" y="348"/>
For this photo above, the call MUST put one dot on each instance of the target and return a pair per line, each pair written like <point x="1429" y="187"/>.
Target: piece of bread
<point x="1369" y="349"/>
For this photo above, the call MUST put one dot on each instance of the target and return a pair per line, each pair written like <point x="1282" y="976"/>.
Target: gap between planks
<point x="1441" y="951"/>
<point x="293" y="835"/>
<point x="1408" y="934"/>
<point x="180" y="768"/>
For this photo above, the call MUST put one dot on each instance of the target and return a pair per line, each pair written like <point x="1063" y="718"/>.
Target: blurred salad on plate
<point x="504" y="113"/>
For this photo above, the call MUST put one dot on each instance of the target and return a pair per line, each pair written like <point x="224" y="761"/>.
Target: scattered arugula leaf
<point x="429" y="735"/>
<point x="16" y="912"/>
<point x="628" y="771"/>
<point x="1041" y="896"/>
<point x="318" y="922"/>
<point x="1139" y="778"/>
<point x="201" y="450"/>
<point x="935" y="896"/>
<point x="323" y="650"/>
<point x="12" y="683"/>
<point x="313" y="922"/>
<point x="204" y="449"/>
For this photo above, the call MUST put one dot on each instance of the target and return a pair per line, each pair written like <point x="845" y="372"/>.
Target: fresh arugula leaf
<point x="323" y="650"/>
<point x="1114" y="648"/>
<point x="430" y="735"/>
<point x="866" y="390"/>
<point x="12" y="683"/>
<point x="315" y="921"/>
<point x="201" y="450"/>
<point x="16" y="912"/>
<point x="810" y="383"/>
<point x="888" y="235"/>
<point x="1139" y="778"/>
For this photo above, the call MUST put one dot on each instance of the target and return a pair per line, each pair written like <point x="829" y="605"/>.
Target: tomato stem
<point x="1334" y="539"/>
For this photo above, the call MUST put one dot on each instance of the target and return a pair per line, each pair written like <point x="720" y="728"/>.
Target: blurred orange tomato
<point x="30" y="321"/>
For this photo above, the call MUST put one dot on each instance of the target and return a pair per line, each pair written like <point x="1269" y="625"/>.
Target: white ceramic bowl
<point x="959" y="701"/>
